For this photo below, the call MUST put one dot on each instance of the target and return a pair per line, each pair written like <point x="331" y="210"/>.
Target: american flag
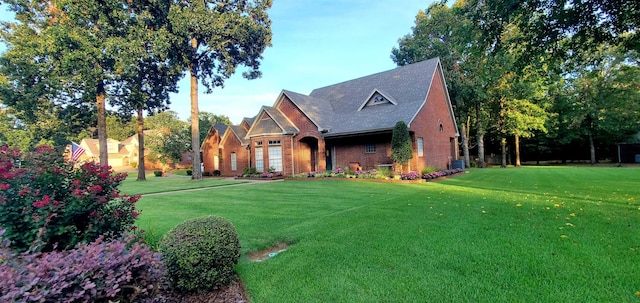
<point x="76" y="151"/>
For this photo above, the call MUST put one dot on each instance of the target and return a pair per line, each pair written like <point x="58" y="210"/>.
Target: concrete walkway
<point x="246" y="182"/>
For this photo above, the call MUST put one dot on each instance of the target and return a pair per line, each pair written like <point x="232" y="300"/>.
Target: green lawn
<point x="552" y="234"/>
<point x="167" y="184"/>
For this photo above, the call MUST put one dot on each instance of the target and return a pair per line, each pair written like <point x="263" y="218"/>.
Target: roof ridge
<point x="376" y="74"/>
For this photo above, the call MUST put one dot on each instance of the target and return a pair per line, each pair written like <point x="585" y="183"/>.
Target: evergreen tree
<point x="401" y="147"/>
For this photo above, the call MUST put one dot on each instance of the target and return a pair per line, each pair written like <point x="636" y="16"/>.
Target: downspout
<point x="293" y="169"/>
<point x="249" y="152"/>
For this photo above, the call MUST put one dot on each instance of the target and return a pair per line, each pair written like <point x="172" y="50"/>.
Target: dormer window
<point x="377" y="97"/>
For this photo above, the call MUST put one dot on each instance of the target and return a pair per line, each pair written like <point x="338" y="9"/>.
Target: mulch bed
<point x="234" y="293"/>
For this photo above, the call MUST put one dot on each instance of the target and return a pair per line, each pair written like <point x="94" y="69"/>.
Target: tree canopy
<point x="211" y="40"/>
<point x="534" y="69"/>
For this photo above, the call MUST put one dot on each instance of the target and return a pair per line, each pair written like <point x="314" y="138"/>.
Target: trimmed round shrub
<point x="200" y="254"/>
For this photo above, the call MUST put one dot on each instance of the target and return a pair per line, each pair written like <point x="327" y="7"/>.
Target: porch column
<point x="322" y="156"/>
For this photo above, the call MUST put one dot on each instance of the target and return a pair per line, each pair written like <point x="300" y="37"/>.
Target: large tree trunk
<point x="503" y="149"/>
<point x="141" y="170"/>
<point x="480" y="130"/>
<point x="592" y="149"/>
<point x="102" y="122"/>
<point x="517" y="144"/>
<point x="465" y="146"/>
<point x="503" y="140"/>
<point x="195" y="121"/>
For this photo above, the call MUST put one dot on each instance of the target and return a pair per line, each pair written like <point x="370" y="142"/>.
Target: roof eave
<point x="358" y="133"/>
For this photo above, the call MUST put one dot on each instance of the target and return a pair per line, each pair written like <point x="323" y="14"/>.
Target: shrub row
<point x="101" y="271"/>
<point x="442" y="173"/>
<point x="384" y="174"/>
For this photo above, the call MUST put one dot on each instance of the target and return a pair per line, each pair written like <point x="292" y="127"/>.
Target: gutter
<point x="358" y="133"/>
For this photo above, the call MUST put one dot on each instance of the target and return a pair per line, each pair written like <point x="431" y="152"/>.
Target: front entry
<point x="329" y="158"/>
<point x="309" y="154"/>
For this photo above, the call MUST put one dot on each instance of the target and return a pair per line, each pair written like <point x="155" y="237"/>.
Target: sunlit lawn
<point x="155" y="184"/>
<point x="553" y="234"/>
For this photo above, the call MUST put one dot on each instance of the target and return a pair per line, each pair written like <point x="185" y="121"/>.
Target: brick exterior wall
<point x="230" y="145"/>
<point x="439" y="147"/>
<point x="307" y="144"/>
<point x="350" y="152"/>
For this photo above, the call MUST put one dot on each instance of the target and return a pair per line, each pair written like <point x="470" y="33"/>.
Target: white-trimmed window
<point x="369" y="148"/>
<point x="259" y="159"/>
<point x="275" y="155"/>
<point x="234" y="163"/>
<point x="420" y="144"/>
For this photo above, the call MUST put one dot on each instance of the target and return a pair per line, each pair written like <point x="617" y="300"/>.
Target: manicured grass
<point x="552" y="234"/>
<point x="155" y="184"/>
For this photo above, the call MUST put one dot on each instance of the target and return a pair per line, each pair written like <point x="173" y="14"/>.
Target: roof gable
<point x="406" y="86"/>
<point x="271" y="121"/>
<point x="235" y="130"/>
<point x="319" y="111"/>
<point x="378" y="97"/>
<point x="440" y="74"/>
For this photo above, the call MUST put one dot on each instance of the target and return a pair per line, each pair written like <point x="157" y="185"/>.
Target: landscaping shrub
<point x="428" y="170"/>
<point x="102" y="271"/>
<point x="249" y="171"/>
<point x="206" y="174"/>
<point x="201" y="254"/>
<point x="189" y="172"/>
<point x="157" y="173"/>
<point x="217" y="173"/>
<point x="49" y="202"/>
<point x="134" y="164"/>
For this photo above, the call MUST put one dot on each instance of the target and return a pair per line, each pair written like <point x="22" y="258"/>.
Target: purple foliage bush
<point x="442" y="173"/>
<point x="102" y="271"/>
<point x="49" y="202"/>
<point x="410" y="176"/>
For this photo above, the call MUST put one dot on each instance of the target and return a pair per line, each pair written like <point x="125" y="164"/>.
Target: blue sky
<point x="315" y="43"/>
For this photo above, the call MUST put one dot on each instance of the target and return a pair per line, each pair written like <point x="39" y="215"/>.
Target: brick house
<point x="348" y="125"/>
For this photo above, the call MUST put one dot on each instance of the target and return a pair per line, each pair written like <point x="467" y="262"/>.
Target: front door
<point x="329" y="158"/>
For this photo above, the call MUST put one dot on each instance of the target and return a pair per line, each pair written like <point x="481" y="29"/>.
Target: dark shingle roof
<point x="221" y="128"/>
<point x="277" y="124"/>
<point x="318" y="110"/>
<point x="407" y="85"/>
<point x="240" y="133"/>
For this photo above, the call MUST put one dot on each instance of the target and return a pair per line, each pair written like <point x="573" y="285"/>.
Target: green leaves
<point x="401" y="146"/>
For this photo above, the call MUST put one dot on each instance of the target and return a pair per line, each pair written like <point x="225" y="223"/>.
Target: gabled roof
<point x="276" y="123"/>
<point x="220" y="128"/>
<point x="238" y="132"/>
<point x="408" y="86"/>
<point x="319" y="111"/>
<point x="249" y="120"/>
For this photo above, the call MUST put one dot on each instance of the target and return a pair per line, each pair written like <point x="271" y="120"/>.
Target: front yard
<point x="553" y="234"/>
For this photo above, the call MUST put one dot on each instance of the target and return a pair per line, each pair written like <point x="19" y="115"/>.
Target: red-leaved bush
<point x="48" y="202"/>
<point x="101" y="271"/>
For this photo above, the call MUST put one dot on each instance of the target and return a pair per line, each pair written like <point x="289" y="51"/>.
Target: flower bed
<point x="376" y="175"/>
<point x="261" y="176"/>
<point x="442" y="173"/>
